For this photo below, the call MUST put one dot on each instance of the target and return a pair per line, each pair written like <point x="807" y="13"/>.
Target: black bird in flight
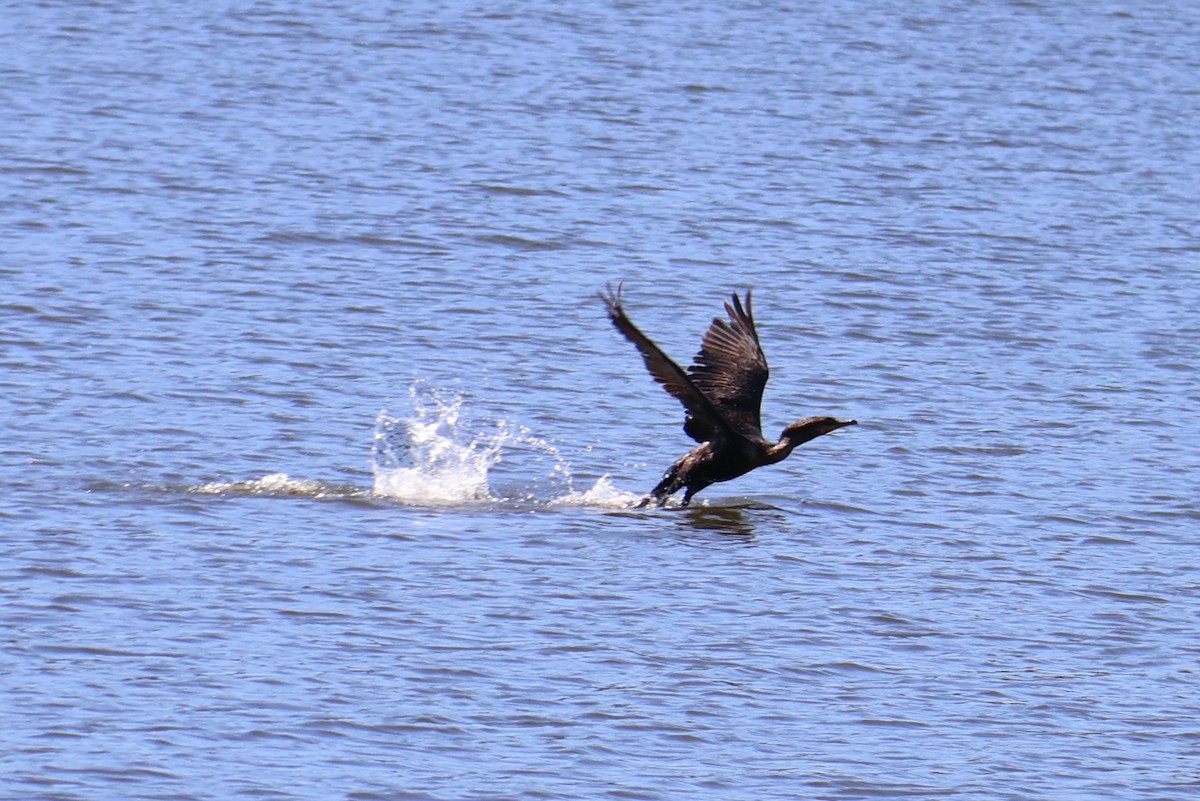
<point x="721" y="393"/>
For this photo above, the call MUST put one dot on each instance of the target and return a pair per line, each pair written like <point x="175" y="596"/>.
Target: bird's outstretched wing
<point x="704" y="421"/>
<point x="731" y="370"/>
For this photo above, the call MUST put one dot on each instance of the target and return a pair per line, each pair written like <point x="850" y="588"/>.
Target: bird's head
<point x="810" y="428"/>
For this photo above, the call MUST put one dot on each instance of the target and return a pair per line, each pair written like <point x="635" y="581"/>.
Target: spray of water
<point x="423" y="458"/>
<point x="438" y="454"/>
<point x="602" y="493"/>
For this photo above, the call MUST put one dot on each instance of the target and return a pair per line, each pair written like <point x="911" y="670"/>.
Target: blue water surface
<point x="234" y="233"/>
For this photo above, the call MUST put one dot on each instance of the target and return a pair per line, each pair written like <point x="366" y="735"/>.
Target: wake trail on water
<point x="439" y="454"/>
<point x="282" y="485"/>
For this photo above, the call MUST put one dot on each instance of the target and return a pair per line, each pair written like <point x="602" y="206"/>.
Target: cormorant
<point x="721" y="393"/>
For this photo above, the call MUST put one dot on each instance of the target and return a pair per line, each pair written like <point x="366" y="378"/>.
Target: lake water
<point x="319" y="450"/>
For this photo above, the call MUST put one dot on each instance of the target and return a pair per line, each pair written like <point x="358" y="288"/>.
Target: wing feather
<point x="704" y="421"/>
<point x="731" y="369"/>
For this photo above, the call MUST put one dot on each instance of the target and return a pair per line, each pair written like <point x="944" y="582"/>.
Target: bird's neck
<point x="790" y="440"/>
<point x="781" y="450"/>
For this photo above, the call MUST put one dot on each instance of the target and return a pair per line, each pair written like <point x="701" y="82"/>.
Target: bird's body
<point x="721" y="394"/>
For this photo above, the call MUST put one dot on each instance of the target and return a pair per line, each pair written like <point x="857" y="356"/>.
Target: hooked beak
<point x="843" y="424"/>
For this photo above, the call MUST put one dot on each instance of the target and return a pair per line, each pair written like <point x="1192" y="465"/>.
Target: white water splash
<point x="602" y="494"/>
<point x="423" y="458"/>
<point x="437" y="455"/>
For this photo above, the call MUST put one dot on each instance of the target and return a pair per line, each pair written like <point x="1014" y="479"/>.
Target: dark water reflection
<point x="726" y="520"/>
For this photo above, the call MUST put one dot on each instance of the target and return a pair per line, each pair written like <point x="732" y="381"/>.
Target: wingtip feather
<point x="612" y="299"/>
